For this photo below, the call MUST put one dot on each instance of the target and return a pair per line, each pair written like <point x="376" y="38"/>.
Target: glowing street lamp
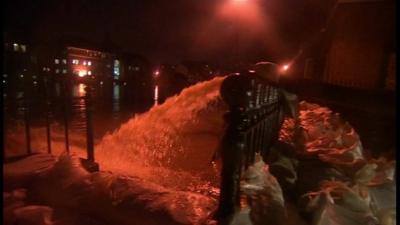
<point x="285" y="67"/>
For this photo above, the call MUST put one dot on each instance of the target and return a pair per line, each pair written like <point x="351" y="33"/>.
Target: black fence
<point x="26" y="103"/>
<point x="253" y="122"/>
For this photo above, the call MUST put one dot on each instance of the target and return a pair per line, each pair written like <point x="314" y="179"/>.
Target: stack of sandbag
<point x="335" y="180"/>
<point x="368" y="198"/>
<point x="264" y="194"/>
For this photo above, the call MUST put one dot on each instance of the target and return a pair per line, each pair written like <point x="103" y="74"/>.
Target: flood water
<point x="112" y="105"/>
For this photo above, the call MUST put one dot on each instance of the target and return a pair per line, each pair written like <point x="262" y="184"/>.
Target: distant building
<point x="75" y="60"/>
<point x="358" y="47"/>
<point x="18" y="65"/>
<point x="84" y="62"/>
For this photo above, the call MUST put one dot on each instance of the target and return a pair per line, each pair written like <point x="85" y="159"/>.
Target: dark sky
<point x="172" y="30"/>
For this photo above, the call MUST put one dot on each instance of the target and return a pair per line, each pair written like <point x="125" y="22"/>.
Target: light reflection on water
<point x="79" y="90"/>
<point x="116" y="101"/>
<point x="112" y="105"/>
<point x="156" y="95"/>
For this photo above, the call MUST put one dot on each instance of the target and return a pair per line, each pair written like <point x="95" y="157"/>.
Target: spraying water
<point x="175" y="139"/>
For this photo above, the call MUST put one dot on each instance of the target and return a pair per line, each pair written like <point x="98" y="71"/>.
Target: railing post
<point x="89" y="164"/>
<point x="89" y="126"/>
<point x="231" y="153"/>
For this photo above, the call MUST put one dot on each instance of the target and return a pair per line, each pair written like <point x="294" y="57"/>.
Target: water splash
<point x="177" y="138"/>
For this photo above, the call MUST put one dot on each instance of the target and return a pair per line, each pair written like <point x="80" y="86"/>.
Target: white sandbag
<point x="267" y="204"/>
<point x="338" y="204"/>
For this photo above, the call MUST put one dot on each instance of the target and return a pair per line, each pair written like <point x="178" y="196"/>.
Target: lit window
<point x="137" y="68"/>
<point x="64" y="71"/>
<point x="44" y="68"/>
<point x="22" y="76"/>
<point x="75" y="61"/>
<point x="89" y="63"/>
<point x="56" y="61"/>
<point x="57" y="70"/>
<point x="82" y="73"/>
<point x="23" y="48"/>
<point x="89" y="72"/>
<point x="34" y="77"/>
<point x="84" y="63"/>
<point x="15" y="47"/>
<point x="64" y="61"/>
<point x="116" y="68"/>
<point x="5" y="75"/>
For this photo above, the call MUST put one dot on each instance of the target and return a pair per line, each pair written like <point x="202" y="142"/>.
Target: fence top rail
<point x="248" y="92"/>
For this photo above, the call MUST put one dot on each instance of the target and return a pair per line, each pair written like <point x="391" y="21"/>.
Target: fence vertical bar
<point x="66" y="116"/>
<point x="48" y="131"/>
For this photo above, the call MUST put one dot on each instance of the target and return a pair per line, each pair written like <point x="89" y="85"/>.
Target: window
<point x="23" y="48"/>
<point x="116" y="68"/>
<point x="89" y="72"/>
<point x="22" y="76"/>
<point x="34" y="77"/>
<point x="89" y="63"/>
<point x="64" y="61"/>
<point x="75" y="61"/>
<point x="5" y="75"/>
<point x="56" y="61"/>
<point x="64" y="71"/>
<point x="15" y="47"/>
<point x="137" y="68"/>
<point x="57" y="71"/>
<point x="84" y="63"/>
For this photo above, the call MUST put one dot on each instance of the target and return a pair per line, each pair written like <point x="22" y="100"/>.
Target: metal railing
<point x="26" y="102"/>
<point x="253" y="123"/>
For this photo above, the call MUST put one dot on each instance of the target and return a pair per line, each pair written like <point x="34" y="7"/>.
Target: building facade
<point x="357" y="49"/>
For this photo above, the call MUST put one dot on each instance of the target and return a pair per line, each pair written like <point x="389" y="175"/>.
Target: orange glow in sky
<point x="242" y="12"/>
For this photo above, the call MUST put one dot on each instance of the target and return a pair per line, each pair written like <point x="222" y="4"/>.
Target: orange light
<point x="82" y="73"/>
<point x="285" y="67"/>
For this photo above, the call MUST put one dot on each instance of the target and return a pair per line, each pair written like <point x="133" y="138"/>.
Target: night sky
<point x="173" y="30"/>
